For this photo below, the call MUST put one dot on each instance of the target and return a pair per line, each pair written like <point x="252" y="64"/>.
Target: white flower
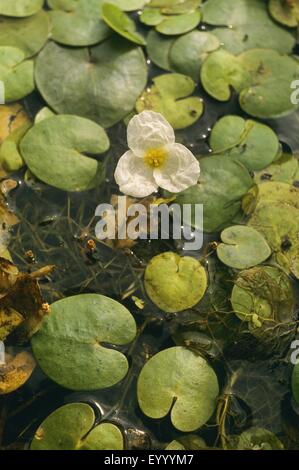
<point x="154" y="159"/>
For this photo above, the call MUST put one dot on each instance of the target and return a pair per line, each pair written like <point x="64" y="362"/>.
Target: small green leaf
<point x="168" y="96"/>
<point x="175" y="283"/>
<point x="54" y="152"/>
<point x="20" y="8"/>
<point x="243" y="247"/>
<point x="15" y="73"/>
<point x="121" y="23"/>
<point x="179" y="382"/>
<point x="179" y="24"/>
<point x="69" y="349"/>
<point x="71" y="427"/>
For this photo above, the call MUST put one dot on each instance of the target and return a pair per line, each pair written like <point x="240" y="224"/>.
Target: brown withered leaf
<point x="23" y="308"/>
<point x="15" y="372"/>
<point x="12" y="117"/>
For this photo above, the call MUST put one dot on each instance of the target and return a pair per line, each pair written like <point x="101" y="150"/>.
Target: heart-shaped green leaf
<point x="20" y="8"/>
<point x="223" y="182"/>
<point x="168" y="96"/>
<point x="175" y="283"/>
<point x="261" y="295"/>
<point x="179" y="382"/>
<point x="15" y="73"/>
<point x="189" y="51"/>
<point x="28" y="34"/>
<point x="243" y="247"/>
<point x="54" y="152"/>
<point x="69" y="349"/>
<point x="285" y="11"/>
<point x="102" y="83"/>
<point x="71" y="427"/>
<point x="283" y="170"/>
<point x="245" y="24"/>
<point x="255" y="145"/>
<point x="121" y="23"/>
<point x="261" y="76"/>
<point x="179" y="24"/>
<point x="158" y="49"/>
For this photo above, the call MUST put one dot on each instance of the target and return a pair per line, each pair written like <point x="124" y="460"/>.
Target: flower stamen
<point x="156" y="157"/>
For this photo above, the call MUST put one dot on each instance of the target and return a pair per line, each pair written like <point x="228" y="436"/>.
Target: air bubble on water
<point x="148" y="62"/>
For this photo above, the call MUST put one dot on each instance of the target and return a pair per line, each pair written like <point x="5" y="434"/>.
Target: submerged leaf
<point x="259" y="439"/>
<point x="15" y="372"/>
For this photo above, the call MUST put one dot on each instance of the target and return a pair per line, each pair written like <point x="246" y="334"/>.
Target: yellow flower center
<point x="155" y="158"/>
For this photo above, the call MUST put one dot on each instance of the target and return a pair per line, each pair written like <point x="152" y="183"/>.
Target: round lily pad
<point x="285" y="11"/>
<point x="263" y="294"/>
<point x="170" y="96"/>
<point x="223" y="182"/>
<point x="175" y="7"/>
<point x="28" y="34"/>
<point x="261" y="76"/>
<point x="121" y="23"/>
<point x="254" y="144"/>
<point x="102" y="83"/>
<point x="71" y="427"/>
<point x="158" y="49"/>
<point x="243" y="247"/>
<point x="271" y="74"/>
<point x="175" y="283"/>
<point x="283" y="170"/>
<point x="190" y="50"/>
<point x="221" y="71"/>
<point x="54" y="152"/>
<point x="179" y="382"/>
<point x="69" y="349"/>
<point x="78" y="28"/>
<point x="16" y="73"/>
<point x="179" y="24"/>
<point x="245" y="24"/>
<point x="20" y="8"/>
<point x="259" y="439"/>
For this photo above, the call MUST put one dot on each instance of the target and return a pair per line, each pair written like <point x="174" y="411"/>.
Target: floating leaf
<point x="189" y="51"/>
<point x="43" y="114"/>
<point x="245" y="24"/>
<point x="10" y="157"/>
<point x="28" y="34"/>
<point x="255" y="145"/>
<point x="188" y="442"/>
<point x="69" y="349"/>
<point x="78" y="26"/>
<point x="259" y="439"/>
<point x="175" y="283"/>
<point x="15" y="73"/>
<point x="223" y="183"/>
<point x="168" y="97"/>
<point x="54" y="152"/>
<point x="121" y="23"/>
<point x="12" y="117"/>
<point x="179" y="382"/>
<point x="71" y="427"/>
<point x="102" y="83"/>
<point x="283" y="170"/>
<point x="221" y="71"/>
<point x="158" y="49"/>
<point x="261" y="76"/>
<point x="263" y="296"/>
<point x="243" y="247"/>
<point x="20" y="8"/>
<point x="285" y="11"/>
<point x="15" y="372"/>
<point x="175" y="7"/>
<point x="126" y="5"/>
<point x="270" y="193"/>
<point x="179" y="24"/>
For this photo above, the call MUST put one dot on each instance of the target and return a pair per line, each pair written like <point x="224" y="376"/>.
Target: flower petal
<point x="134" y="177"/>
<point x="180" y="171"/>
<point x="149" y="130"/>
